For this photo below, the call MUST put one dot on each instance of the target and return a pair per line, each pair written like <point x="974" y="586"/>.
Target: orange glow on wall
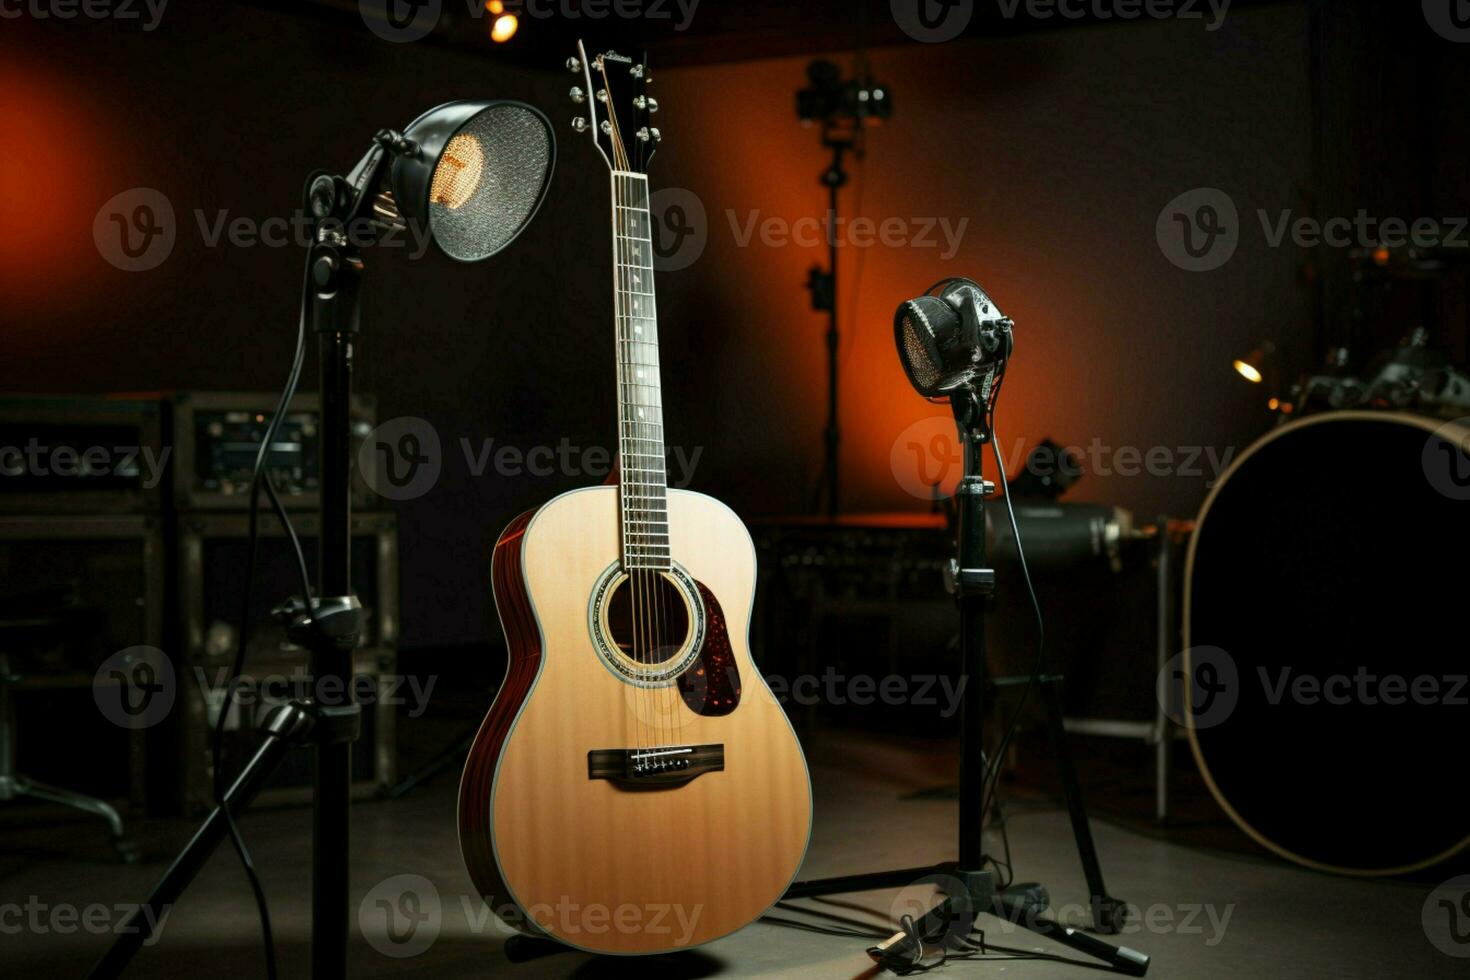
<point x="50" y="187"/>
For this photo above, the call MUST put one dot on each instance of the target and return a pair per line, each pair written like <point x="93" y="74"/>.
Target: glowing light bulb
<point x="504" y="28"/>
<point x="1248" y="372"/>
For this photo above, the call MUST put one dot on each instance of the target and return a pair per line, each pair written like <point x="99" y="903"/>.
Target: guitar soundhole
<point x="648" y="617"/>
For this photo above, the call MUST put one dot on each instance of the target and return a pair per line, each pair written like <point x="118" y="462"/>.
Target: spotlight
<point x="504" y="28"/>
<point x="828" y="99"/>
<point x="474" y="171"/>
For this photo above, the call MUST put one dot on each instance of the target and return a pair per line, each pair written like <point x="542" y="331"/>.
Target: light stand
<point x="330" y="720"/>
<point x="454" y="199"/>
<point x="823" y="286"/>
<point x="964" y="336"/>
<point x="843" y="109"/>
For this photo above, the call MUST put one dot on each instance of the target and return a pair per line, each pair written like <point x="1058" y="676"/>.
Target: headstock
<point x="619" y="110"/>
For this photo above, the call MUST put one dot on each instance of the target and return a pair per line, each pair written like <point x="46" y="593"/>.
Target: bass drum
<point x="1324" y="680"/>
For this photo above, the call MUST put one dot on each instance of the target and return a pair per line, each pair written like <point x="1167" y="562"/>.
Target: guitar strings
<point x="645" y="703"/>
<point x="649" y="584"/>
<point x="637" y="583"/>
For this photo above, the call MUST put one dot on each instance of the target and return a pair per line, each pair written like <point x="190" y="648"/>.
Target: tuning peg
<point x="602" y="95"/>
<point x="578" y="96"/>
<point x="653" y="131"/>
<point x="643" y="134"/>
<point x="636" y="71"/>
<point x="573" y="64"/>
<point x="606" y="127"/>
<point x="579" y="124"/>
<point x="653" y="105"/>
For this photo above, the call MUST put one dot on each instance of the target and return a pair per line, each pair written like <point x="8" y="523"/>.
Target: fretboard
<point x="643" y="494"/>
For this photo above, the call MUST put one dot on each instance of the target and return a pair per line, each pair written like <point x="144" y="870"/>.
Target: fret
<point x="643" y="494"/>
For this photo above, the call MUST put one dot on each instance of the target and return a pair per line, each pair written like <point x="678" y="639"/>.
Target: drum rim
<point x="1426" y="423"/>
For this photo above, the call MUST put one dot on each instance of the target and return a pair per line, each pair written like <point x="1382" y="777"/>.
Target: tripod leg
<point x="1107" y="912"/>
<point x="287" y="726"/>
<point x="1015" y="909"/>
<point x="127" y="851"/>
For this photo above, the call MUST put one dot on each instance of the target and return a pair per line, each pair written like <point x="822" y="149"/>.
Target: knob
<point x="606" y="126"/>
<point x="577" y="94"/>
<point x="653" y="131"/>
<point x="653" y="105"/>
<point x="573" y="64"/>
<point x="579" y="124"/>
<point x="643" y="134"/>
<point x="602" y="95"/>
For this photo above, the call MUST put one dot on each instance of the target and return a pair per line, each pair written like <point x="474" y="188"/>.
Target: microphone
<point x="948" y="336"/>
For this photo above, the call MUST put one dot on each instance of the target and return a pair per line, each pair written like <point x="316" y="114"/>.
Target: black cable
<point x="260" y="479"/>
<point x="1011" y="728"/>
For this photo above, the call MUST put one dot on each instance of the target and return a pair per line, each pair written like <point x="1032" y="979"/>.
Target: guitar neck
<point x="643" y="487"/>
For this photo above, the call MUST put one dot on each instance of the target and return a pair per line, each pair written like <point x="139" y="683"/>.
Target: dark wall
<point x="1060" y="148"/>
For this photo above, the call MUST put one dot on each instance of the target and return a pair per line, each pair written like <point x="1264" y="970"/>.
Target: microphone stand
<point x="970" y="888"/>
<point x="329" y="628"/>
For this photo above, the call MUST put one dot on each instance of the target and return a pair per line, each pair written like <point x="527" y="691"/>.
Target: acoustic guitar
<point x="635" y="788"/>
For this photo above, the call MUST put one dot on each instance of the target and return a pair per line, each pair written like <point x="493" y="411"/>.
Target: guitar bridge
<point x="658" y="766"/>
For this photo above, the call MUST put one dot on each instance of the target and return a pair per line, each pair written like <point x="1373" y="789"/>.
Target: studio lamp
<point x="470" y="175"/>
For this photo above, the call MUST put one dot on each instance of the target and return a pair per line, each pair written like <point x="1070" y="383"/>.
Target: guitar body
<point x="561" y="834"/>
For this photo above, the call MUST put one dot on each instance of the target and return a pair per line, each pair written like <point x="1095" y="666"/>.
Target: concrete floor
<point x="1205" y="914"/>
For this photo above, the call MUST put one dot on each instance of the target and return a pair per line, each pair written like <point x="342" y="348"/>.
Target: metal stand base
<point x="971" y="889"/>
<point x="14" y="786"/>
<point x="285" y="727"/>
